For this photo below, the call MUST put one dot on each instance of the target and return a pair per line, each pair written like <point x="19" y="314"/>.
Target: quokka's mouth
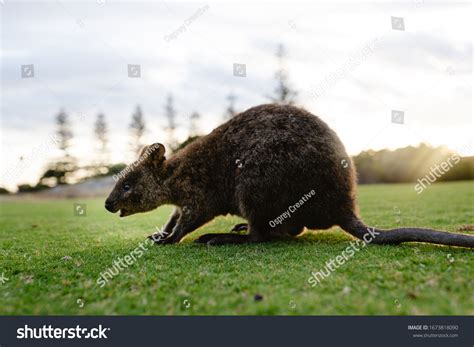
<point x="111" y="207"/>
<point x="123" y="213"/>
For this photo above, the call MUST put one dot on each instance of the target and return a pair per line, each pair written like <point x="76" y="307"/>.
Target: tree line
<point x="65" y="169"/>
<point x="410" y="164"/>
<point x="402" y="165"/>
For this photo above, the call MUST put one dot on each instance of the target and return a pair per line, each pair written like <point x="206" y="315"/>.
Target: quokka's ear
<point x="143" y="151"/>
<point x="153" y="154"/>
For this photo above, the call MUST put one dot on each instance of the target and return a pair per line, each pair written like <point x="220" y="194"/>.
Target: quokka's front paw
<point x="160" y="239"/>
<point x="167" y="241"/>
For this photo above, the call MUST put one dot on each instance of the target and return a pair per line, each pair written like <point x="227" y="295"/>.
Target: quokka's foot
<point x="223" y="239"/>
<point x="160" y="239"/>
<point x="239" y="227"/>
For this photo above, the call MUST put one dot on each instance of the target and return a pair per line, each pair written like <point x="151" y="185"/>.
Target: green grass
<point x="407" y="279"/>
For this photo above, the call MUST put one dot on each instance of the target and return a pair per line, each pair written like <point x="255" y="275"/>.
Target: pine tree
<point x="100" y="131"/>
<point x="283" y="93"/>
<point x="64" y="132"/>
<point x="63" y="167"/>
<point x="230" y="110"/>
<point x="193" y="127"/>
<point x="137" y="130"/>
<point x="170" y="114"/>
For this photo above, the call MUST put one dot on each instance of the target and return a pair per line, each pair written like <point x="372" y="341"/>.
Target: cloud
<point x="81" y="50"/>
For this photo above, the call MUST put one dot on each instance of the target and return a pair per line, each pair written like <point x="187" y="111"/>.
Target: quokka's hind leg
<point x="240" y="227"/>
<point x="223" y="239"/>
<point x="295" y="231"/>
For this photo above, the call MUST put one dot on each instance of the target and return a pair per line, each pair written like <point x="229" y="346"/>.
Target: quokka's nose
<point x="109" y="206"/>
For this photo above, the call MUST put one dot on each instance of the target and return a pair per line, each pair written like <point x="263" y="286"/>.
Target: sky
<point x="349" y="61"/>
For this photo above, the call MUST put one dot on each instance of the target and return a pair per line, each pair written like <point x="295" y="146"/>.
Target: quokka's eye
<point x="126" y="187"/>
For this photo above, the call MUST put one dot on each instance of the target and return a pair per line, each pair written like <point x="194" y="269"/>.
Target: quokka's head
<point x="140" y="186"/>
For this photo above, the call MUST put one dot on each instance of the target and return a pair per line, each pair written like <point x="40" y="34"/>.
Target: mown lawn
<point x="52" y="260"/>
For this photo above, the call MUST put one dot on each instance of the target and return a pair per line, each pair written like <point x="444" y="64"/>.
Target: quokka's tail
<point x="357" y="228"/>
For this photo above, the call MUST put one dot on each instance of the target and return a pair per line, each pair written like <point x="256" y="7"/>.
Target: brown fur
<point x="255" y="166"/>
